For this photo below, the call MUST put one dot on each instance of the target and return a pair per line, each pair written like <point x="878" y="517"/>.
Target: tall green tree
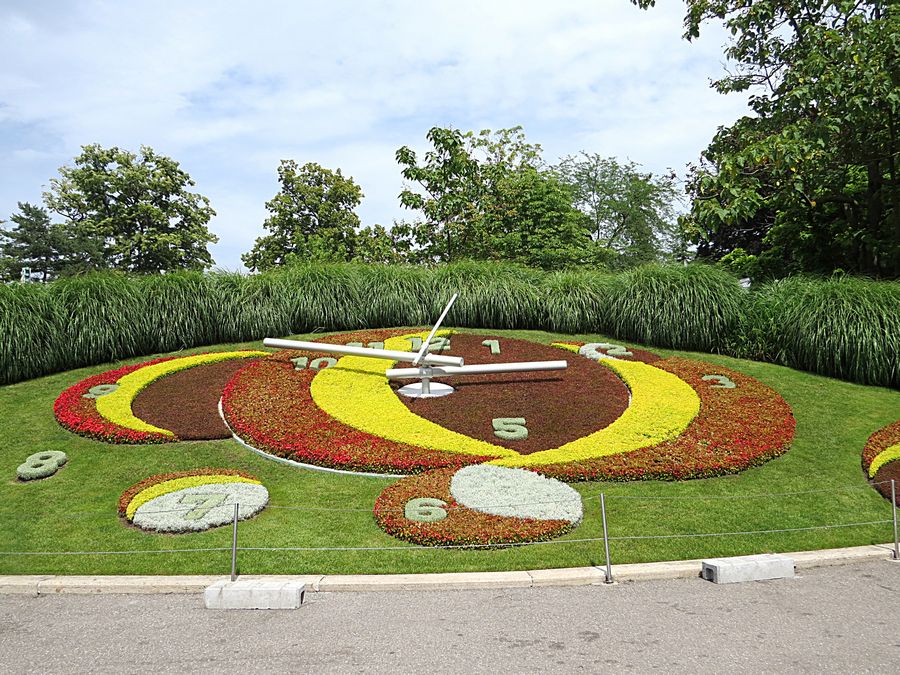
<point x="487" y="195"/>
<point x="631" y="213"/>
<point x="138" y="205"/>
<point x="48" y="249"/>
<point x="311" y="218"/>
<point x="809" y="181"/>
<point x="33" y="243"/>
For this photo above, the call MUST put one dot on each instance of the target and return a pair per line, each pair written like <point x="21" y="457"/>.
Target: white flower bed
<point x="518" y="493"/>
<point x="201" y="507"/>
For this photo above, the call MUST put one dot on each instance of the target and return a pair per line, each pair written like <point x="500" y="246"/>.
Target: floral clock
<point x="490" y="463"/>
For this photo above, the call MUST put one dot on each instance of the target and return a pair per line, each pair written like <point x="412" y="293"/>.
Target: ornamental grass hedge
<point x="844" y="327"/>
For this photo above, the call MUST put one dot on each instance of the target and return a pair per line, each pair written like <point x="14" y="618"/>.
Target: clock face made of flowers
<point x="488" y="463"/>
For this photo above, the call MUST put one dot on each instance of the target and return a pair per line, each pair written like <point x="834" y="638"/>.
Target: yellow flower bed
<point x="176" y="484"/>
<point x="356" y="392"/>
<point x="116" y="407"/>
<point x="887" y="455"/>
<point x="565" y="345"/>
<point x="662" y="405"/>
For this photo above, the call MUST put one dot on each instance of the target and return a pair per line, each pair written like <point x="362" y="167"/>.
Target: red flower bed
<point x="79" y="414"/>
<point x="879" y="441"/>
<point x="462" y="526"/>
<point x="268" y="405"/>
<point x="736" y="429"/>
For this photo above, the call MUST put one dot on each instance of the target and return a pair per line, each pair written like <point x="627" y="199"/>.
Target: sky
<point x="230" y="89"/>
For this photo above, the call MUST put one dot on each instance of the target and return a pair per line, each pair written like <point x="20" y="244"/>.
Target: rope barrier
<point x="748" y="532"/>
<point x="457" y="546"/>
<point x="171" y="550"/>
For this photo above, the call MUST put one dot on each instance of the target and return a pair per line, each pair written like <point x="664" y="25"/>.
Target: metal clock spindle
<point x="426" y="366"/>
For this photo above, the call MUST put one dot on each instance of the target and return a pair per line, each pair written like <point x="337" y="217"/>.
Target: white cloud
<point x="230" y="89"/>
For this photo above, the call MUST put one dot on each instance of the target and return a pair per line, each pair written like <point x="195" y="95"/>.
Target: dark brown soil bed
<point x="883" y="477"/>
<point x="187" y="402"/>
<point x="558" y="406"/>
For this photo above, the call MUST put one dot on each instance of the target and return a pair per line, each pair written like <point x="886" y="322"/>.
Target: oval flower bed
<point x="100" y="406"/>
<point x="192" y="501"/>
<point x="881" y="459"/>
<point x="429" y="511"/>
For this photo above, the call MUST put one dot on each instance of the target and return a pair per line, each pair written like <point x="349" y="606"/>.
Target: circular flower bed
<point x="438" y="508"/>
<point x="881" y="459"/>
<point x="192" y="501"/>
<point x="101" y="406"/>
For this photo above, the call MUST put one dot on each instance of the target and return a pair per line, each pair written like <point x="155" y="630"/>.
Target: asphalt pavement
<point x="834" y="619"/>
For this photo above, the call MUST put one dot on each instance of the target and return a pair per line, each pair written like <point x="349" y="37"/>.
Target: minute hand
<point x="477" y="369"/>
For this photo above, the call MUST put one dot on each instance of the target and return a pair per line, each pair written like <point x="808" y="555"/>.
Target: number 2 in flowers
<point x="510" y="428"/>
<point x="723" y="382"/>
<point x="592" y="350"/>
<point x="202" y="503"/>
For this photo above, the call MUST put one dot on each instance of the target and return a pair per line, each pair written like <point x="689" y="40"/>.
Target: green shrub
<point x="693" y="307"/>
<point x="578" y="301"/>
<point x="491" y="295"/>
<point x="102" y="317"/>
<point x="844" y="327"/>
<point x="30" y="333"/>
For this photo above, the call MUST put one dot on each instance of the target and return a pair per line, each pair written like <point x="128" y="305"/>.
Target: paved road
<point x="840" y="619"/>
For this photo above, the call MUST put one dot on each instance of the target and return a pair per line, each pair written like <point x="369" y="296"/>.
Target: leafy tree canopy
<point x="488" y="196"/>
<point x="809" y="182"/>
<point x="631" y="213"/>
<point x="138" y="206"/>
<point x="311" y="218"/>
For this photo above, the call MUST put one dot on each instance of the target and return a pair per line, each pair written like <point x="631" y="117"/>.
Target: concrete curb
<point x="36" y="585"/>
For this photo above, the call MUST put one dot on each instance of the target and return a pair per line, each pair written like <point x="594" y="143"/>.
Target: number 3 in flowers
<point x="723" y="382"/>
<point x="510" y="428"/>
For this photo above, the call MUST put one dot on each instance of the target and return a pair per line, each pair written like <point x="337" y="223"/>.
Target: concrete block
<point x="254" y="594"/>
<point x="747" y="568"/>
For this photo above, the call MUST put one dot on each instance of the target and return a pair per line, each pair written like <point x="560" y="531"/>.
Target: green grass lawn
<point x="75" y="510"/>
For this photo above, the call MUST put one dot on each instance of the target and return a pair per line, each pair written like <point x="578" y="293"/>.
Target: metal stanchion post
<point x="237" y="508"/>
<point x="894" y="510"/>
<point x="609" y="577"/>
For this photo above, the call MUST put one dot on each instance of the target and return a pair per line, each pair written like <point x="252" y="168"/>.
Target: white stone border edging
<point x="574" y="576"/>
